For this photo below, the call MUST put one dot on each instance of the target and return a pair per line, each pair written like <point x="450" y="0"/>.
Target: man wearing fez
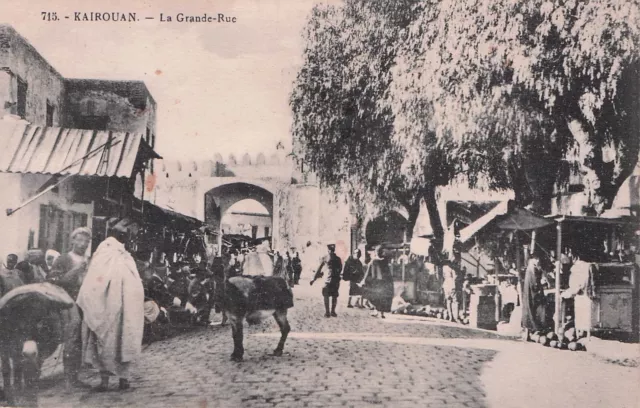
<point x="332" y="281"/>
<point x="68" y="271"/>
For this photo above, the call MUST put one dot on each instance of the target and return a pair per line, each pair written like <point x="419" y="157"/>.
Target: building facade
<point x="91" y="139"/>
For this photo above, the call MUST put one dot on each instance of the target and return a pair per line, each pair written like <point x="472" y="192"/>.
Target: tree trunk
<point x="429" y="195"/>
<point x="414" y="211"/>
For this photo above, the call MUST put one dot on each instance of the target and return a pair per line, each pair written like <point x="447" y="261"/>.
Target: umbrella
<point x="522" y="220"/>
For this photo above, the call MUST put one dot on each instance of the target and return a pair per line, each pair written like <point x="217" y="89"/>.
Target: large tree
<point x="394" y="100"/>
<point x="342" y="125"/>
<point x="538" y="88"/>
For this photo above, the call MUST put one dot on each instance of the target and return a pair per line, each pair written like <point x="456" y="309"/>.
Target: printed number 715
<point x="47" y="16"/>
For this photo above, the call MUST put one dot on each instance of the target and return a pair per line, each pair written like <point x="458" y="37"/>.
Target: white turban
<point x="81" y="230"/>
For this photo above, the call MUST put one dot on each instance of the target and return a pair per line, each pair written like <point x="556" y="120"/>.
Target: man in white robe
<point x="112" y="301"/>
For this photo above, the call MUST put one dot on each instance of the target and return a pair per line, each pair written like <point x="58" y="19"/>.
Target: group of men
<point x="352" y="271"/>
<point x="287" y="267"/>
<point x="104" y="326"/>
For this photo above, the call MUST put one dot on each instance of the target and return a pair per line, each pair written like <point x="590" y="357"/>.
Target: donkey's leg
<point x="6" y="375"/>
<point x="236" y="330"/>
<point x="31" y="363"/>
<point x="18" y="370"/>
<point x="283" y="323"/>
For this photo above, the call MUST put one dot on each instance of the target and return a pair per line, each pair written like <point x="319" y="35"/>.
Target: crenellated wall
<point x="274" y="165"/>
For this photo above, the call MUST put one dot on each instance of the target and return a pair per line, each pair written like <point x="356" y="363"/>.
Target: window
<point x="266" y="231"/>
<point x="114" y="190"/>
<point x="90" y="108"/>
<point x="32" y="235"/>
<point x="55" y="227"/>
<point x="22" y="98"/>
<point x="50" y="110"/>
<point x="254" y="231"/>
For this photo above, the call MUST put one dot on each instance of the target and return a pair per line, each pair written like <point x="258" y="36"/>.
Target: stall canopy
<point x="171" y="219"/>
<point x="505" y="216"/>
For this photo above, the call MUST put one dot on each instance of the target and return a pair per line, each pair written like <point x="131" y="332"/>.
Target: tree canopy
<point x="394" y="100"/>
<point x="342" y="126"/>
<point x="536" y="88"/>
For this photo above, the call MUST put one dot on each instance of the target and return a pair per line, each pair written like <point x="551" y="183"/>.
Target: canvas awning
<point x="505" y="216"/>
<point x="28" y="148"/>
<point x="162" y="216"/>
<point x="589" y="219"/>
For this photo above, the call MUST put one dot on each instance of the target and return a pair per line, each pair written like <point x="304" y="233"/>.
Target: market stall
<point x="487" y="301"/>
<point x="601" y="291"/>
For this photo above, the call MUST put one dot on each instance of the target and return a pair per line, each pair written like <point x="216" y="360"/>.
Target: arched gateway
<point x="219" y="194"/>
<point x="298" y="210"/>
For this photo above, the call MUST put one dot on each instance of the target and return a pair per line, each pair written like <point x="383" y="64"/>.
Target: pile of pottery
<point x="433" y="312"/>
<point x="566" y="340"/>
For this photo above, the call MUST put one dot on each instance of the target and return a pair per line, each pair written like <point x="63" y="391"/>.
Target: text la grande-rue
<point x="204" y="18"/>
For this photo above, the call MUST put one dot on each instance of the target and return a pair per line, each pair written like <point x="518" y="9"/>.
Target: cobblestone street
<point x="358" y="360"/>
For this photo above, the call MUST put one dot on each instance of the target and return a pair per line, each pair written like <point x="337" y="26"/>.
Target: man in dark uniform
<point x="296" y="265"/>
<point x="332" y="280"/>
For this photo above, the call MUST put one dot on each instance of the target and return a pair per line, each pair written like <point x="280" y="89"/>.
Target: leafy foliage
<point x="342" y="124"/>
<point x="516" y="80"/>
<point x="397" y="98"/>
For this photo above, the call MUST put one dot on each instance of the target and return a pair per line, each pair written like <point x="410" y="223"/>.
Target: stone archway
<point x="248" y="217"/>
<point x="219" y="199"/>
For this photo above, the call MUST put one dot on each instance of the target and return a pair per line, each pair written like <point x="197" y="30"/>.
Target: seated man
<point x="31" y="268"/>
<point x="399" y="305"/>
<point x="10" y="277"/>
<point x="156" y="290"/>
<point x="200" y="292"/>
<point x="198" y="301"/>
<point x="178" y="284"/>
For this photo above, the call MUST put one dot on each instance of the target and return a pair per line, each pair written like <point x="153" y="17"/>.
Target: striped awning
<point x="27" y="148"/>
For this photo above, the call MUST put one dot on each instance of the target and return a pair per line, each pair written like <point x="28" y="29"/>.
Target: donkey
<point x="256" y="295"/>
<point x="30" y="331"/>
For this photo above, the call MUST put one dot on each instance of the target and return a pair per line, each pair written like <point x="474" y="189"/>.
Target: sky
<point x="220" y="88"/>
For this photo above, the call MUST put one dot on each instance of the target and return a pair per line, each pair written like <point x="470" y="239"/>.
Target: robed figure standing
<point x="533" y="299"/>
<point x="112" y="301"/>
<point x="378" y="284"/>
<point x="354" y="272"/>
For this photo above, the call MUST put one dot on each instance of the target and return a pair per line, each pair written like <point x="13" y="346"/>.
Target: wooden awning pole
<point x="35" y="197"/>
<point x="558" y="319"/>
<point x="11" y="211"/>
